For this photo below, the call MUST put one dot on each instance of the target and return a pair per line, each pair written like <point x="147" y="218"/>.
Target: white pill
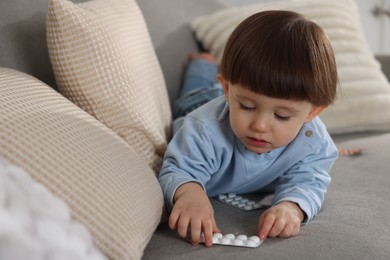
<point x="242" y="237"/>
<point x="241" y="205"/>
<point x="250" y="243"/>
<point x="216" y="240"/>
<point x="257" y="205"/>
<point x="230" y="236"/>
<point x="217" y="235"/>
<point x="238" y="242"/>
<point x="256" y="239"/>
<point x="237" y="198"/>
<point x="222" y="197"/>
<point x="225" y="241"/>
<point x="242" y="202"/>
<point x="232" y="240"/>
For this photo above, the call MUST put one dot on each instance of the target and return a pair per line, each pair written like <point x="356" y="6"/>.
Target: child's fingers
<point x="196" y="226"/>
<point x="290" y="230"/>
<point x="277" y="228"/>
<point x="208" y="233"/>
<point x="172" y="221"/>
<point x="205" y="227"/>
<point x="182" y="227"/>
<point x="215" y="227"/>
<point x="295" y="230"/>
<point x="265" y="225"/>
<point x="287" y="231"/>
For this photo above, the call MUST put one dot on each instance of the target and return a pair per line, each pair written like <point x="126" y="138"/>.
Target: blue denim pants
<point x="200" y="86"/>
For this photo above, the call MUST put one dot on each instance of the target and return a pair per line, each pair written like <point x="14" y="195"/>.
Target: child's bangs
<point x="287" y="79"/>
<point x="277" y="72"/>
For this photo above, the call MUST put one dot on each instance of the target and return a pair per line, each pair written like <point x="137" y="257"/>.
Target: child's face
<point x="263" y="123"/>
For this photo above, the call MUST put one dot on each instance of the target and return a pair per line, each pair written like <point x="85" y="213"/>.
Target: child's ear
<point x="225" y="85"/>
<point x="315" y="111"/>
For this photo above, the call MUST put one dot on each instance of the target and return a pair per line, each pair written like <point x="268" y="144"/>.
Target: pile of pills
<point x="232" y="240"/>
<point x="240" y="202"/>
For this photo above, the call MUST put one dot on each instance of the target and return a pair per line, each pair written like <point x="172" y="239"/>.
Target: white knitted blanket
<point x="35" y="225"/>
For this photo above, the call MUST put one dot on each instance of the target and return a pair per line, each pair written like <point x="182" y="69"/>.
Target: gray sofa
<point x="354" y="222"/>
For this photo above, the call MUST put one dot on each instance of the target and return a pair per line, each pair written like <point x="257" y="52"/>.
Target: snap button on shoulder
<point x="309" y="133"/>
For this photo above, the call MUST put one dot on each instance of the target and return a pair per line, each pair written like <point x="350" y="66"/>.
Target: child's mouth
<point x="258" y="142"/>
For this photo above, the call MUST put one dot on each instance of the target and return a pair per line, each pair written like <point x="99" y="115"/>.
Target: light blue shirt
<point x="205" y="150"/>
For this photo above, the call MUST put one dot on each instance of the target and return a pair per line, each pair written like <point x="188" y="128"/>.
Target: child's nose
<point x="260" y="124"/>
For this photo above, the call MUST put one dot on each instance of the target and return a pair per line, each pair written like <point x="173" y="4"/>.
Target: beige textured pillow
<point x="107" y="186"/>
<point x="104" y="62"/>
<point x="364" y="100"/>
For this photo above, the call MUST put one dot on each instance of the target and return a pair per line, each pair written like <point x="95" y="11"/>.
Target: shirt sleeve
<point x="306" y="182"/>
<point x="190" y="157"/>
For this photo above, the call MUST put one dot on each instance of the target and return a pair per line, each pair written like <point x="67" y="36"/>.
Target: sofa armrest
<point x="385" y="63"/>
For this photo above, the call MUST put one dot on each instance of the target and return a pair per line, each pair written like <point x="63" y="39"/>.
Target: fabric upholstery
<point x="168" y="22"/>
<point x="104" y="62"/>
<point x="108" y="187"/>
<point x="353" y="223"/>
<point x="23" y="38"/>
<point x="363" y="101"/>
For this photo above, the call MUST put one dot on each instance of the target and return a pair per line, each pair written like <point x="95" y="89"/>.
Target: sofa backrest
<point x="385" y="63"/>
<point x="23" y="36"/>
<point x="169" y="25"/>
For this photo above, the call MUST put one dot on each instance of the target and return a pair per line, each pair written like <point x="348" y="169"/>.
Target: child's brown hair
<point x="281" y="54"/>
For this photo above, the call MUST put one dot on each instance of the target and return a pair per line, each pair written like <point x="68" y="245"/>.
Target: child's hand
<point x="283" y="220"/>
<point x="193" y="209"/>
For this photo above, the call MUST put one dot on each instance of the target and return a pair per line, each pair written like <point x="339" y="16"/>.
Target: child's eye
<point x="246" y="107"/>
<point x="282" y="118"/>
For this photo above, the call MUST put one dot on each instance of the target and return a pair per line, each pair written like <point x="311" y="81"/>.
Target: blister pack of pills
<point x="233" y="240"/>
<point x="241" y="202"/>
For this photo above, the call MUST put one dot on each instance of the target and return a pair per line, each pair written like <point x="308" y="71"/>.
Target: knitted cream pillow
<point x="107" y="186"/>
<point x="104" y="62"/>
<point x="364" y="100"/>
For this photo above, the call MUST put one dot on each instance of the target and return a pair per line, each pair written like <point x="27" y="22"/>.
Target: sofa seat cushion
<point x="353" y="223"/>
<point x="107" y="185"/>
